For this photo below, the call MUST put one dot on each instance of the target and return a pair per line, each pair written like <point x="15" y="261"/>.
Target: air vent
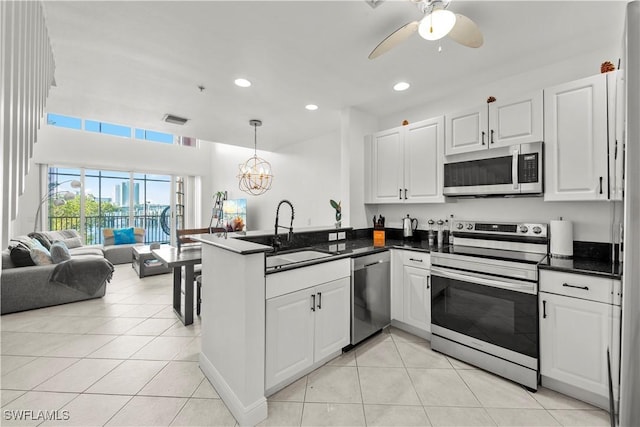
<point x="170" y="118"/>
<point x="373" y="3"/>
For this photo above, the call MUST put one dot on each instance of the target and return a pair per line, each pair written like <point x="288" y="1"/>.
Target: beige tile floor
<point x="125" y="360"/>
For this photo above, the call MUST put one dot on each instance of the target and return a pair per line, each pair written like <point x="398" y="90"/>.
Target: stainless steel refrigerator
<point x="629" y="414"/>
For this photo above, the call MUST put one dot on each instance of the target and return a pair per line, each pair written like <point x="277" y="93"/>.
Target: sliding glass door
<point x="111" y="199"/>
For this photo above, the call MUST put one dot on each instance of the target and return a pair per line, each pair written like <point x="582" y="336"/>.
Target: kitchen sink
<point x="293" y="257"/>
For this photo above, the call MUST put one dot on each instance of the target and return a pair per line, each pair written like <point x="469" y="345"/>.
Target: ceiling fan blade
<point x="466" y="32"/>
<point x="398" y="36"/>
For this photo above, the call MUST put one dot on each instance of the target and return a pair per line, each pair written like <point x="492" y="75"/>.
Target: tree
<point x="94" y="214"/>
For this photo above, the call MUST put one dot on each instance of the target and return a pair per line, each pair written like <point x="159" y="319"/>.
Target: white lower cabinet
<point x="411" y="291"/>
<point x="304" y="327"/>
<point x="575" y="335"/>
<point x="417" y="297"/>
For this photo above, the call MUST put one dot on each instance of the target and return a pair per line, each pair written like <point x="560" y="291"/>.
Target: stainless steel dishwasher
<point x="370" y="295"/>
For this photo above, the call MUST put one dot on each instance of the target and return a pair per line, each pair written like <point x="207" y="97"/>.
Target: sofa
<point x="83" y="275"/>
<point x="120" y="253"/>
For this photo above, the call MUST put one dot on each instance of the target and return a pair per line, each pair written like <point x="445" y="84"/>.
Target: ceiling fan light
<point x="437" y="24"/>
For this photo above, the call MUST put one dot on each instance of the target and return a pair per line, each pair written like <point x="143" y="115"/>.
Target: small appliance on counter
<point x="408" y="228"/>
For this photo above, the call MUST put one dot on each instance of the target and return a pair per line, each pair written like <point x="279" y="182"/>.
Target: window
<point x="149" y="135"/>
<point x="112" y="199"/>
<point x="64" y="121"/>
<point x="120" y="130"/>
<point x="107" y="128"/>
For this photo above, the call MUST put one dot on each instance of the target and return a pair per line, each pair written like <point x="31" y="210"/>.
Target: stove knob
<point x="537" y="230"/>
<point x="459" y="226"/>
<point x="524" y="229"/>
<point x="469" y="226"/>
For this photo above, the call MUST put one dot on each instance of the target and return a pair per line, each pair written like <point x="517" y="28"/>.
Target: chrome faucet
<point x="276" y="239"/>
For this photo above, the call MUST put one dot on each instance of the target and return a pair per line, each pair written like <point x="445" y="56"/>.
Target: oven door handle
<point x="481" y="280"/>
<point x="514" y="169"/>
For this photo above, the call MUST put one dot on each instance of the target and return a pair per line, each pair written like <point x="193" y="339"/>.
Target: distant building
<point x="122" y="194"/>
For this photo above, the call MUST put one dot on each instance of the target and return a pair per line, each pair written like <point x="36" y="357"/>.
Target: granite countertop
<point x="592" y="267"/>
<point x="360" y="245"/>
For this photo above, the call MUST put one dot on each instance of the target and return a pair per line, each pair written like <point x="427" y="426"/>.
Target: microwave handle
<point x="514" y="169"/>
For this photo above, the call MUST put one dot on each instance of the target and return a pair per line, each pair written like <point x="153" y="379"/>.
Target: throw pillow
<point x="123" y="236"/>
<point x="72" y="242"/>
<point x="24" y="241"/>
<point x="21" y="256"/>
<point x="59" y="252"/>
<point x="41" y="256"/>
<point x="42" y="238"/>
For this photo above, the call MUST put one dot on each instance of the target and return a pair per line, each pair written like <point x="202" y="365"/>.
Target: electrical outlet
<point x="333" y="236"/>
<point x="342" y="246"/>
<point x="333" y="248"/>
<point x="342" y="235"/>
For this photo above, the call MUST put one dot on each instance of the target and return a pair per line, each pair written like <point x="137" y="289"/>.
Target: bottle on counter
<point x="440" y="233"/>
<point x="446" y="232"/>
<point x="431" y="233"/>
<point x="450" y="230"/>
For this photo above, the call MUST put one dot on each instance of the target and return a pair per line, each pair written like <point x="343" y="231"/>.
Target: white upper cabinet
<point x="386" y="166"/>
<point x="404" y="164"/>
<point x="516" y="121"/>
<point x="497" y="124"/>
<point x="466" y="131"/>
<point x="576" y="140"/>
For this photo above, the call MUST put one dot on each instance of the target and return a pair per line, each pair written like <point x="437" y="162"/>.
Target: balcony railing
<point x="94" y="225"/>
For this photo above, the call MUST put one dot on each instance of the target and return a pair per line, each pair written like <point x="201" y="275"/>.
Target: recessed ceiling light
<point x="311" y="107"/>
<point x="242" y="82"/>
<point x="400" y="86"/>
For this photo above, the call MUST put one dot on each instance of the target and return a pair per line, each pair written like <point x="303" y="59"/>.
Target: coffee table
<point x="145" y="263"/>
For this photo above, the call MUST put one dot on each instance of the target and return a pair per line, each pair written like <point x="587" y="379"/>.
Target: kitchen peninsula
<point x="234" y="318"/>
<point x="233" y="324"/>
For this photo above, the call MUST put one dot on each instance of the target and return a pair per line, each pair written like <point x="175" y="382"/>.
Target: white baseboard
<point x="245" y="415"/>
<point x="578" y="393"/>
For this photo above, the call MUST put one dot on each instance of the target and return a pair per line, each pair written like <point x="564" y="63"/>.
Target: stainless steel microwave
<point x="513" y="170"/>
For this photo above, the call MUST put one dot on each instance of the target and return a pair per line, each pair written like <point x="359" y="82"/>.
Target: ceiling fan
<point x="436" y="23"/>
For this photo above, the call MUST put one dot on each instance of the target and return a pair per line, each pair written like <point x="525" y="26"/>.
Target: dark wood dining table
<point x="182" y="261"/>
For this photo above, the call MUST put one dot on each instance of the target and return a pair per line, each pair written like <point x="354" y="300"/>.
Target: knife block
<point x="378" y="237"/>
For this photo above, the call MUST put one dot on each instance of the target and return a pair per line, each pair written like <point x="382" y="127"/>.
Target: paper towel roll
<point x="561" y="238"/>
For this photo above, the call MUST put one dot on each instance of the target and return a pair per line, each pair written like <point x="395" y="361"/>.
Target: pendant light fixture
<point x="255" y="174"/>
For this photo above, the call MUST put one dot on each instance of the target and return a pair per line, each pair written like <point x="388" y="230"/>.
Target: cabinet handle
<point x="415" y="260"/>
<point x="400" y="193"/>
<point x="313" y="302"/>
<point x="483" y="138"/>
<point x="600" y="185"/>
<point x="544" y="309"/>
<point x="492" y="136"/>
<point x="405" y="194"/>
<point x="319" y="300"/>
<point x="428" y="282"/>
<point x="586" y="288"/>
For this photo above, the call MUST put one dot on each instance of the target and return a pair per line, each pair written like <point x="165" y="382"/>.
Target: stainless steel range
<point x="484" y="297"/>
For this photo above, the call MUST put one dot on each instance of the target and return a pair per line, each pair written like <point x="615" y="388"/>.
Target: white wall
<point x="355" y="125"/>
<point x="74" y="148"/>
<point x="592" y="220"/>
<point x="306" y="173"/>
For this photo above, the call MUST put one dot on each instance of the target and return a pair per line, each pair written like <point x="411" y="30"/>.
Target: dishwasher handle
<point x="371" y="264"/>
<point x="372" y="260"/>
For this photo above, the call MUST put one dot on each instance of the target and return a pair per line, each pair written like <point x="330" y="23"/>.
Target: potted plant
<point x="336" y="205"/>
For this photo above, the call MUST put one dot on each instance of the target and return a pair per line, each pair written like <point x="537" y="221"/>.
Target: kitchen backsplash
<point x="592" y="221"/>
